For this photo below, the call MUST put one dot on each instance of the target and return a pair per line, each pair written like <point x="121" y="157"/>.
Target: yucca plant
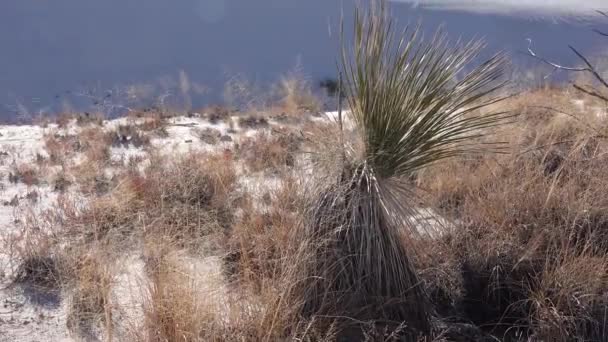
<point x="413" y="104"/>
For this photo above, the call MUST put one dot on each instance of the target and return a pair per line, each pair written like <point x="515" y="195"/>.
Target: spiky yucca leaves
<point x="410" y="110"/>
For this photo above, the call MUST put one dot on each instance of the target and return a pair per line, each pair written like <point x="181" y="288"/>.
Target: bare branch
<point x="600" y="32"/>
<point x="590" y="67"/>
<point x="590" y="92"/>
<point x="555" y="65"/>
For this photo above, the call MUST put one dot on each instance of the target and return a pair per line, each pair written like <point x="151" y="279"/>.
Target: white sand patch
<point x="27" y="314"/>
<point x="182" y="136"/>
<point x="128" y="295"/>
<point x="21" y="142"/>
<point x="121" y="155"/>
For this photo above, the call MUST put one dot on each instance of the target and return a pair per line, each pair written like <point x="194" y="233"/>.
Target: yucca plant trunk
<point x="360" y="267"/>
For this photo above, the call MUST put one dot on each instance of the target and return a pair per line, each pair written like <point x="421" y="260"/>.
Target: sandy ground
<point x="29" y="314"/>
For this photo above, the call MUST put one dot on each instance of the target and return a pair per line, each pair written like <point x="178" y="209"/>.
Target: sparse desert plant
<point x="24" y="173"/>
<point x="60" y="181"/>
<point x="209" y="135"/>
<point x="409" y="116"/>
<point x="569" y="302"/>
<point x="86" y="118"/>
<point x="295" y="93"/>
<point x="194" y="191"/>
<point x="89" y="174"/>
<point x="128" y="135"/>
<point x="259" y="240"/>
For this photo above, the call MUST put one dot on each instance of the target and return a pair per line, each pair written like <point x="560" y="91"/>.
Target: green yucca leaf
<point x="406" y="100"/>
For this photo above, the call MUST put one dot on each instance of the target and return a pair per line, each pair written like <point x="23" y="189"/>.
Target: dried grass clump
<point x="95" y="144"/>
<point x="259" y="241"/>
<point x="530" y="236"/>
<point x="60" y="181"/>
<point x="60" y="148"/>
<point x="174" y="310"/>
<point x="269" y="152"/>
<point x="216" y="114"/>
<point x="295" y="93"/>
<point x="191" y="196"/>
<point x="189" y="300"/>
<point x="37" y="262"/>
<point x="570" y="300"/>
<point x="92" y="280"/>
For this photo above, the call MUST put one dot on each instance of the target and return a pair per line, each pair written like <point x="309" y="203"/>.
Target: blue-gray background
<point x="52" y="50"/>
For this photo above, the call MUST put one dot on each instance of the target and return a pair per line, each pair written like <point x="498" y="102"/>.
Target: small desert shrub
<point x="253" y="121"/>
<point x="112" y="219"/>
<point x="209" y="136"/>
<point x="216" y="114"/>
<point x="190" y="195"/>
<point x="32" y="249"/>
<point x="152" y="122"/>
<point x="39" y="270"/>
<point x="58" y="147"/>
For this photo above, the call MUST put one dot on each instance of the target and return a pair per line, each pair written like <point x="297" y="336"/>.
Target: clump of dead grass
<point x="91" y="284"/>
<point x="529" y="237"/>
<point x="269" y="152"/>
<point x="295" y="93"/>
<point x="24" y="173"/>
